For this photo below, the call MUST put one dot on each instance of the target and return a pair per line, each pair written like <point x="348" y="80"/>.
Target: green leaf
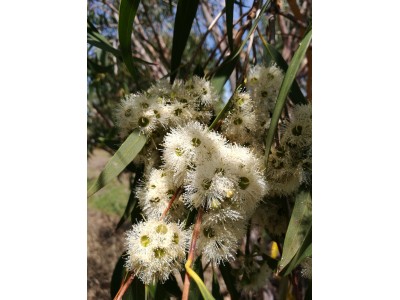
<point x="124" y="155"/>
<point x="199" y="281"/>
<point x="222" y="113"/>
<point x="295" y="93"/>
<point x="190" y="218"/>
<point x="308" y="295"/>
<point x="98" y="68"/>
<point x="185" y="14"/>
<point x="229" y="21"/>
<point x="283" y="92"/>
<point x="127" y="13"/>
<point x="98" y="40"/>
<point x="307" y="252"/>
<point x="194" y="292"/>
<point x="298" y="229"/>
<point x="227" y="67"/>
<point x="215" y="288"/>
<point x="95" y="38"/>
<point x="133" y="200"/>
<point x="304" y="251"/>
<point x="167" y="289"/>
<point x="222" y="75"/>
<point x="229" y="279"/>
<point x="136" y="291"/>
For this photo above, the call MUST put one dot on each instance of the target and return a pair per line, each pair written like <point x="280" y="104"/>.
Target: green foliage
<point x="283" y="92"/>
<point x="124" y="156"/>
<point x="295" y="94"/>
<point x="150" y="54"/>
<point x="127" y="12"/>
<point x="229" y="4"/>
<point x="185" y="14"/>
<point x="116" y="191"/>
<point x="298" y="235"/>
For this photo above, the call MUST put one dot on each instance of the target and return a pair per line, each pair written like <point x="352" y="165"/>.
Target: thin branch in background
<point x="216" y="33"/>
<point x="270" y="30"/>
<point x="292" y="18"/>
<point x="212" y="54"/>
<point x="98" y="111"/>
<point x="216" y="65"/>
<point x="246" y="60"/>
<point x="160" y="42"/>
<point x="287" y="49"/>
<point x="295" y="9"/>
<point x="254" y="52"/>
<point x="210" y="27"/>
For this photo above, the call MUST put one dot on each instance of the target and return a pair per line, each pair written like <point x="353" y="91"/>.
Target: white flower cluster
<point x="155" y="249"/>
<point x="289" y="165"/>
<point x="250" y="116"/>
<point x="164" y="105"/>
<point x="221" y="173"/>
<point x="225" y="180"/>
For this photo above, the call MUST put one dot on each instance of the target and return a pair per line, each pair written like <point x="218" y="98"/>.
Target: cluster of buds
<point x="289" y="164"/>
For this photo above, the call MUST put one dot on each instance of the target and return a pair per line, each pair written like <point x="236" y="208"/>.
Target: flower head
<point x="155" y="249"/>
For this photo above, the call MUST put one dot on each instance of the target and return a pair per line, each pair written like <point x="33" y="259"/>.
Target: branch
<point x="210" y="27"/>
<point x="124" y="287"/>
<point x="189" y="262"/>
<point x="176" y="195"/>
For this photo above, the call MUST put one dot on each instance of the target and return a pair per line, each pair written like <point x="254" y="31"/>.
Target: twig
<point x="160" y="42"/>
<point x="196" y="232"/>
<point x="205" y="36"/>
<point x="176" y="195"/>
<point x="246" y="60"/>
<point x="213" y="52"/>
<point x="292" y="18"/>
<point x="295" y="9"/>
<point x="286" y="52"/>
<point x="124" y="287"/>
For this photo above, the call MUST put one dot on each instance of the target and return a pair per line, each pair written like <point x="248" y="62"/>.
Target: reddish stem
<point x="196" y="232"/>
<point x="124" y="287"/>
<point x="176" y="195"/>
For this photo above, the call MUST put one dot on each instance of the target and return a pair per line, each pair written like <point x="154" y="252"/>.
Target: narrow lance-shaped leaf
<point x="285" y="87"/>
<point x="304" y="251"/>
<point x="229" y="21"/>
<point x="299" y="226"/>
<point x="200" y="284"/>
<point x="185" y="13"/>
<point x="167" y="289"/>
<point x="95" y="38"/>
<point x="194" y="291"/>
<point x="295" y="93"/>
<point x="127" y="13"/>
<point x="117" y="163"/>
